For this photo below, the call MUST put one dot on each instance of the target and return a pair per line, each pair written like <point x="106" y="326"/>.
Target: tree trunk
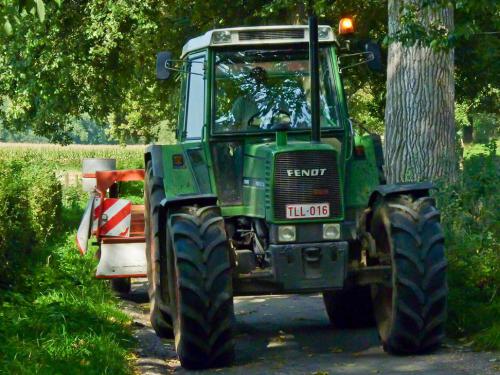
<point x="419" y="113"/>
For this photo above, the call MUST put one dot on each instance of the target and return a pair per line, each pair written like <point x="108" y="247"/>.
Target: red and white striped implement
<point x="115" y="217"/>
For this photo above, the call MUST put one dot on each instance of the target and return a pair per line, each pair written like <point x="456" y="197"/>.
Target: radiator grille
<point x="300" y="190"/>
<point x="271" y="34"/>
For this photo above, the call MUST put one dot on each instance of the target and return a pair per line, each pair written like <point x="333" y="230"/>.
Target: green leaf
<point x="7" y="26"/>
<point x="40" y="9"/>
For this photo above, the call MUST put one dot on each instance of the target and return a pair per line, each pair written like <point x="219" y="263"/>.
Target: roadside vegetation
<point x="471" y="220"/>
<point x="55" y="317"/>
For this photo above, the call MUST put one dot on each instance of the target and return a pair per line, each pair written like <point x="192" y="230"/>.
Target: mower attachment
<point x="116" y="224"/>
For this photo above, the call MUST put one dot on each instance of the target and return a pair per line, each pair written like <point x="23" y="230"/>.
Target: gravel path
<point x="291" y="335"/>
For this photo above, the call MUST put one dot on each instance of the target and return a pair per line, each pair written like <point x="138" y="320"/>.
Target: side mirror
<point x="375" y="64"/>
<point x="163" y="61"/>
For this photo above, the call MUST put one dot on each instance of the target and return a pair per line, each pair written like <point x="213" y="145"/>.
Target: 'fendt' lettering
<point x="306" y="172"/>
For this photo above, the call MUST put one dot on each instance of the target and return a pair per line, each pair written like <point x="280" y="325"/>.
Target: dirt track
<point x="291" y="335"/>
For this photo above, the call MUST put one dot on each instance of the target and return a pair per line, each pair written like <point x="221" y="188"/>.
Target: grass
<point x="61" y="320"/>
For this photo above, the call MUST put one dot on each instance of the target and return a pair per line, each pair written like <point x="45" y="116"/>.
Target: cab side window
<point x="195" y="98"/>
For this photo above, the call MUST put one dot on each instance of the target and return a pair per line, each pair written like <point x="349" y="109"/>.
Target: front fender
<point x="186" y="200"/>
<point x="154" y="154"/>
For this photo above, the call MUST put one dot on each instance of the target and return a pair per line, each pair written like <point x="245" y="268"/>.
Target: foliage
<point x="14" y="214"/>
<point x="364" y="106"/>
<point x="86" y="131"/>
<point x="44" y="195"/>
<point x="476" y="53"/>
<point x="486" y="127"/>
<point x="471" y="221"/>
<point x="97" y="58"/>
<point x="83" y="131"/>
<point x="30" y="208"/>
<point x="26" y="135"/>
<point x="58" y="319"/>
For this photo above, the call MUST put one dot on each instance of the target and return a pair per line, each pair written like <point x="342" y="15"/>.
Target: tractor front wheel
<point x="201" y="288"/>
<point x="411" y="312"/>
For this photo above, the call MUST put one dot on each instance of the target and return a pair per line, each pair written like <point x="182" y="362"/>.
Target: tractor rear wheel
<point x="159" y="301"/>
<point x="351" y="308"/>
<point x="411" y="312"/>
<point x="201" y="288"/>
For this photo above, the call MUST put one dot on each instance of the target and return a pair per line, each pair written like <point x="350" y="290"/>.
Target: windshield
<point x="256" y="90"/>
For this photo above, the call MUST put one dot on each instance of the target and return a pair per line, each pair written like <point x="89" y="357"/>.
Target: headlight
<point x="331" y="231"/>
<point x="286" y="233"/>
<point x="221" y="37"/>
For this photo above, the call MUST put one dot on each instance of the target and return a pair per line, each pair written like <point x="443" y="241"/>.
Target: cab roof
<point x="240" y="36"/>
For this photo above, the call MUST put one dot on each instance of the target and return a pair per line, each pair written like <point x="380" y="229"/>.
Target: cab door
<point x="192" y="124"/>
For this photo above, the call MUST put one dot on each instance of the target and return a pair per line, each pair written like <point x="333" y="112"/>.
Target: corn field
<point x="67" y="160"/>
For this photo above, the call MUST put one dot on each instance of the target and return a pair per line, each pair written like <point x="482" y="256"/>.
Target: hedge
<point x="30" y="211"/>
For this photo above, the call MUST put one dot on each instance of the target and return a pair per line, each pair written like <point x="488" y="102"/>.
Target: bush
<point x="30" y="209"/>
<point x="64" y="321"/>
<point x="55" y="317"/>
<point x="471" y="221"/>
<point x="485" y="127"/>
<point x="16" y="237"/>
<point x="45" y="198"/>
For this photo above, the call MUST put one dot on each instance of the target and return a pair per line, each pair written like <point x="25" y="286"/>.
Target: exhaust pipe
<point x="314" y="74"/>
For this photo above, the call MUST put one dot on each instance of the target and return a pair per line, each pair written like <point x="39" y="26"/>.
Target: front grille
<point x="299" y="190"/>
<point x="271" y="34"/>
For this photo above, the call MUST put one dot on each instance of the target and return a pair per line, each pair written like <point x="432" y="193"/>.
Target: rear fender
<point x="381" y="191"/>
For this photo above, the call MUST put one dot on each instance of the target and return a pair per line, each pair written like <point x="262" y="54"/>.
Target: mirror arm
<point x="370" y="57"/>
<point x="181" y="70"/>
<point x="190" y="62"/>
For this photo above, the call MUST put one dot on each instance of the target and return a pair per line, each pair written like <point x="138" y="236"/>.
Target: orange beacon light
<point x="346" y="26"/>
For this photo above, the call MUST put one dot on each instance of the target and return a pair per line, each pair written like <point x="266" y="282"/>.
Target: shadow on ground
<point x="292" y="335"/>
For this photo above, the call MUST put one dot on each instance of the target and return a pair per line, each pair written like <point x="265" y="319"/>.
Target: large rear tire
<point x="351" y="308"/>
<point x="159" y="301"/>
<point x="201" y="287"/>
<point x="411" y="313"/>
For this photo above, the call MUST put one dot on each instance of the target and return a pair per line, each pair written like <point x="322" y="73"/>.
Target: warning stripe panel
<point x="116" y="218"/>
<point x="116" y="222"/>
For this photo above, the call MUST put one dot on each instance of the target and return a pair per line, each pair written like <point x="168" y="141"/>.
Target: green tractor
<point x="269" y="191"/>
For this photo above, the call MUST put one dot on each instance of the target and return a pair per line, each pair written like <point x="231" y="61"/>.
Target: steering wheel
<point x="280" y="125"/>
<point x="273" y="126"/>
<point x="251" y="119"/>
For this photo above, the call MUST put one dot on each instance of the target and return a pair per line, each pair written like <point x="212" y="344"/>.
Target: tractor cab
<point x="246" y="97"/>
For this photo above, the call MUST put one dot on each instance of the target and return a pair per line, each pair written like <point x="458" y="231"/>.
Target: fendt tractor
<point x="268" y="191"/>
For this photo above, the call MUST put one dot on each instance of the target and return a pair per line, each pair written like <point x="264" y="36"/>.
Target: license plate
<point x="304" y="211"/>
